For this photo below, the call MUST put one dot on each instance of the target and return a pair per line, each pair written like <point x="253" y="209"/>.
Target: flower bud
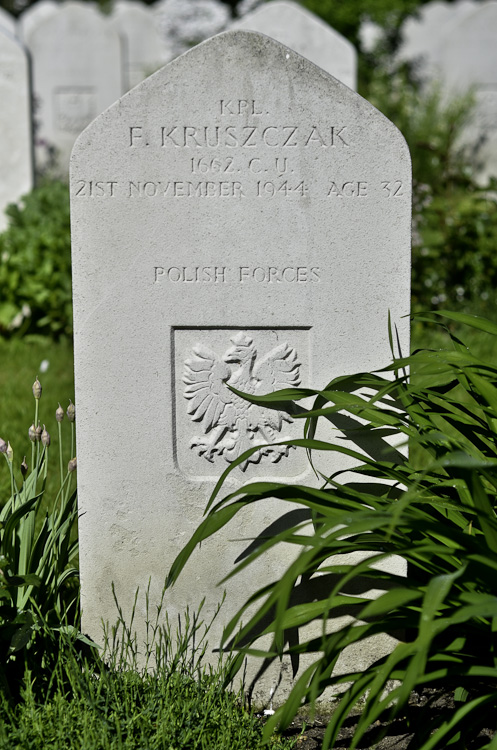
<point x="59" y="414"/>
<point x="9" y="452"/>
<point x="71" y="411"/>
<point x="32" y="433"/>
<point x="38" y="432"/>
<point x="71" y="466"/>
<point x="45" y="437"/>
<point x="3" y="446"/>
<point x="24" y="467"/>
<point x="37" y="389"/>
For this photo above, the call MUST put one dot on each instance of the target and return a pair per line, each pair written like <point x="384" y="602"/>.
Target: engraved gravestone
<point x="468" y="61"/>
<point x="143" y="49"/>
<point x="245" y="224"/>
<point x="306" y="34"/>
<point x="16" y="164"/>
<point x="76" y="59"/>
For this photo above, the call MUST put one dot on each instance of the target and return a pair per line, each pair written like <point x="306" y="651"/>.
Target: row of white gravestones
<point x="16" y="159"/>
<point x="248" y="225"/>
<point x="456" y="45"/>
<point x="83" y="61"/>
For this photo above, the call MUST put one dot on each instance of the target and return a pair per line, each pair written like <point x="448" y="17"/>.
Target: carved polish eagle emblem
<point x="231" y="425"/>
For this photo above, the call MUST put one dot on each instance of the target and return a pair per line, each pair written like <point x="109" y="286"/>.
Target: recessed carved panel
<point x="214" y="425"/>
<point x="74" y="108"/>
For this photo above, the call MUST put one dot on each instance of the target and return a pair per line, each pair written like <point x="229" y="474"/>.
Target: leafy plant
<point x="437" y="513"/>
<point x="35" y="268"/>
<point x="38" y="595"/>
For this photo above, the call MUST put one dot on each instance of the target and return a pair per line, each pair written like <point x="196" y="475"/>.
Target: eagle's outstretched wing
<point x="279" y="369"/>
<point x="204" y="377"/>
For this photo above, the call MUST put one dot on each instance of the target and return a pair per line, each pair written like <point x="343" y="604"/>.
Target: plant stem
<point x="59" y="425"/>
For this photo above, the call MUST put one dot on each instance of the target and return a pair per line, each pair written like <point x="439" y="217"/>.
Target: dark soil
<point x="406" y="732"/>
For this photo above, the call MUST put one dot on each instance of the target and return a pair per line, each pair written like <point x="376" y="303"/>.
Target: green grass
<point x="20" y="363"/>
<point x="94" y="700"/>
<point x="126" y="710"/>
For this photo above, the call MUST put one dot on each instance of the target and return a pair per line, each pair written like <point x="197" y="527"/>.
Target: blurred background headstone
<point x="16" y="163"/>
<point x="306" y="34"/>
<point x="144" y="51"/>
<point x="77" y="73"/>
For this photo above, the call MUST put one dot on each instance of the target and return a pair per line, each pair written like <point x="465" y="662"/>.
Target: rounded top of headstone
<point x="251" y="54"/>
<point x="304" y="32"/>
<point x="468" y="55"/>
<point x="33" y="15"/>
<point x="423" y="33"/>
<point x="132" y="7"/>
<point x="72" y="17"/>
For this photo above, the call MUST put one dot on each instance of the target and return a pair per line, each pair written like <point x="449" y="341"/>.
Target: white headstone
<point x="227" y="220"/>
<point x="184" y="24"/>
<point x="77" y="73"/>
<point x="32" y="16"/>
<point x="7" y="22"/>
<point x="16" y="153"/>
<point x="144" y="50"/>
<point x="424" y="33"/>
<point x="468" y="61"/>
<point x="306" y="34"/>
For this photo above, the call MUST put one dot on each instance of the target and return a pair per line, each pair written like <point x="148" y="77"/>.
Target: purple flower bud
<point x="71" y="411"/>
<point x="3" y="446"/>
<point x="45" y="437"/>
<point x="71" y="466"/>
<point x="24" y="467"/>
<point x="32" y="433"/>
<point x="37" y="389"/>
<point x="38" y="432"/>
<point x="59" y="414"/>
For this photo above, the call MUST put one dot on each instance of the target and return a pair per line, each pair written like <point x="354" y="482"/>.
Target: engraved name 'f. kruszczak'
<point x="231" y="424"/>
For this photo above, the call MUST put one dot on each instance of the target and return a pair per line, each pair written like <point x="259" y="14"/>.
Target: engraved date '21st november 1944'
<point x="272" y="174"/>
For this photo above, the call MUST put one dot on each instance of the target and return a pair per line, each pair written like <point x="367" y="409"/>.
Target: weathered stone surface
<point x="305" y="33"/>
<point x="248" y="222"/>
<point x="16" y="162"/>
<point x="7" y="22"/>
<point x="468" y="61"/>
<point x="77" y="73"/>
<point x="144" y="51"/>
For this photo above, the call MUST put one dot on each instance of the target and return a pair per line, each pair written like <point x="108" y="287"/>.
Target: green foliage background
<point x="35" y="263"/>
<point x="435" y="508"/>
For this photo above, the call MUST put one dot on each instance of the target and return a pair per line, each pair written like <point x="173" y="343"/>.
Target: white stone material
<point x="468" y="61"/>
<point x="246" y="222"/>
<point x="32" y="16"/>
<point x="16" y="162"/>
<point x="8" y="22"/>
<point x="306" y="34"/>
<point x="184" y="24"/>
<point x="77" y="73"/>
<point x="144" y="50"/>
<point x="424" y="33"/>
